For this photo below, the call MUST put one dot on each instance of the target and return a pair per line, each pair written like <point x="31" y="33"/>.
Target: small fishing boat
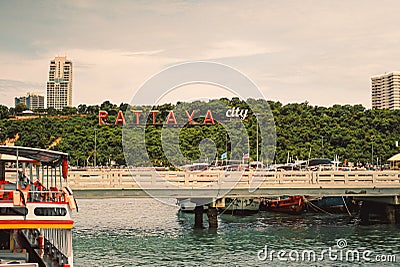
<point x="240" y="206"/>
<point x="187" y="206"/>
<point x="331" y="204"/>
<point x="35" y="208"/>
<point x="233" y="206"/>
<point x="285" y="204"/>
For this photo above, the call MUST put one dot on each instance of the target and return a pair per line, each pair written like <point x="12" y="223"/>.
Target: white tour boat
<point x="35" y="208"/>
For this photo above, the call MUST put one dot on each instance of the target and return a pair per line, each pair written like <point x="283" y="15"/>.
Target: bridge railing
<point x="135" y="179"/>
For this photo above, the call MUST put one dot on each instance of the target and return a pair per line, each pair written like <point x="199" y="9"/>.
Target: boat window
<point x="50" y="211"/>
<point x="10" y="211"/>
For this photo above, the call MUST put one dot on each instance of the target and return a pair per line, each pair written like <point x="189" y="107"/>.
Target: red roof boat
<point x="286" y="204"/>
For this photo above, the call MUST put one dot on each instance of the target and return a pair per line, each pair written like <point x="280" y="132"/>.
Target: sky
<point x="323" y="52"/>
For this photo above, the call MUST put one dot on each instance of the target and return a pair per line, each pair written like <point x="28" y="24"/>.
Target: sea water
<point x="147" y="232"/>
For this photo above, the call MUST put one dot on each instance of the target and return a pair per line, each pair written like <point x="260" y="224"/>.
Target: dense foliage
<point x="349" y="131"/>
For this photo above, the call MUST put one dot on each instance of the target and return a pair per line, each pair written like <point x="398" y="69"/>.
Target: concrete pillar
<point x="397" y="213"/>
<point x="212" y="214"/>
<point x="391" y="214"/>
<point x="364" y="212"/>
<point x="198" y="217"/>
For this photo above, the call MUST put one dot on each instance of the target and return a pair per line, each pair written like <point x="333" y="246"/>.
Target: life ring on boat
<point x="67" y="190"/>
<point x="64" y="166"/>
<point x="17" y="196"/>
<point x="68" y="196"/>
<point x="24" y="192"/>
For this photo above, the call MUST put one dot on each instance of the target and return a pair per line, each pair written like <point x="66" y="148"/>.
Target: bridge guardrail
<point x="264" y="178"/>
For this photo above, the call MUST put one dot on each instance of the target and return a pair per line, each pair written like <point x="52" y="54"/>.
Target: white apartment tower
<point x="59" y="85"/>
<point x="386" y="91"/>
<point x="31" y="100"/>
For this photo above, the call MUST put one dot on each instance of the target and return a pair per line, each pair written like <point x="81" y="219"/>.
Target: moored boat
<point x="35" y="207"/>
<point x="285" y="204"/>
<point x="187" y="206"/>
<point x="332" y="204"/>
<point x="240" y="206"/>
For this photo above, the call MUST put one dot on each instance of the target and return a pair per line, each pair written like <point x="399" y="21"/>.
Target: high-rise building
<point x="59" y="86"/>
<point x="386" y="91"/>
<point x="31" y="100"/>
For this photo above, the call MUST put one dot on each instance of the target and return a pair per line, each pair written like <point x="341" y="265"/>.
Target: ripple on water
<point x="145" y="232"/>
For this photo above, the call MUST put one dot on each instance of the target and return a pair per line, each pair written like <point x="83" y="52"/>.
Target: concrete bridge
<point x="378" y="190"/>
<point x="384" y="186"/>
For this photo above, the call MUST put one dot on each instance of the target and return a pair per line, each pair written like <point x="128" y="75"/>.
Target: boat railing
<point x="19" y="196"/>
<point x="56" y="243"/>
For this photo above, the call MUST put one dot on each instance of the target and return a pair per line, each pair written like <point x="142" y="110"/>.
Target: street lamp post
<point x="372" y="151"/>
<point x="95" y="148"/>
<point x="256" y="115"/>
<point x="226" y="148"/>
<point x="323" y="146"/>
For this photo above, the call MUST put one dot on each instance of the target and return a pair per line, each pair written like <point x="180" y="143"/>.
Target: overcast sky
<point x="323" y="52"/>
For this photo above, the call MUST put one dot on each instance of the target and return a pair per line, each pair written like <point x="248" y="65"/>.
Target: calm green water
<point x="145" y="232"/>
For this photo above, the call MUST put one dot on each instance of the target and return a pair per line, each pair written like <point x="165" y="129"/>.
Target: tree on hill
<point x="69" y="111"/>
<point x="4" y="112"/>
<point x="12" y="111"/>
<point x="123" y="106"/>
<point x="93" y="109"/>
<point x="20" y="107"/>
<point x="107" y="106"/>
<point x="82" y="109"/>
<point x="348" y="131"/>
<point x="52" y="111"/>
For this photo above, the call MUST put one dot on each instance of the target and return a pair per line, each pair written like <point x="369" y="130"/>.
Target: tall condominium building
<point x="386" y="91"/>
<point x="59" y="86"/>
<point x="31" y="100"/>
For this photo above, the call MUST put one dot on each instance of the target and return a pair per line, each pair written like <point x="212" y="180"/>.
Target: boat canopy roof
<point x="319" y="161"/>
<point x="46" y="157"/>
<point x="395" y="158"/>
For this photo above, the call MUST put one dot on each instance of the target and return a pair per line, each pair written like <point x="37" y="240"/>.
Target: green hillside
<point x="348" y="131"/>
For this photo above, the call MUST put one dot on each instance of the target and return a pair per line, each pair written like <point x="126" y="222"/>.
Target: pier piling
<point x="212" y="214"/>
<point x="382" y="212"/>
<point x="391" y="214"/>
<point x="364" y="212"/>
<point x="198" y="217"/>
